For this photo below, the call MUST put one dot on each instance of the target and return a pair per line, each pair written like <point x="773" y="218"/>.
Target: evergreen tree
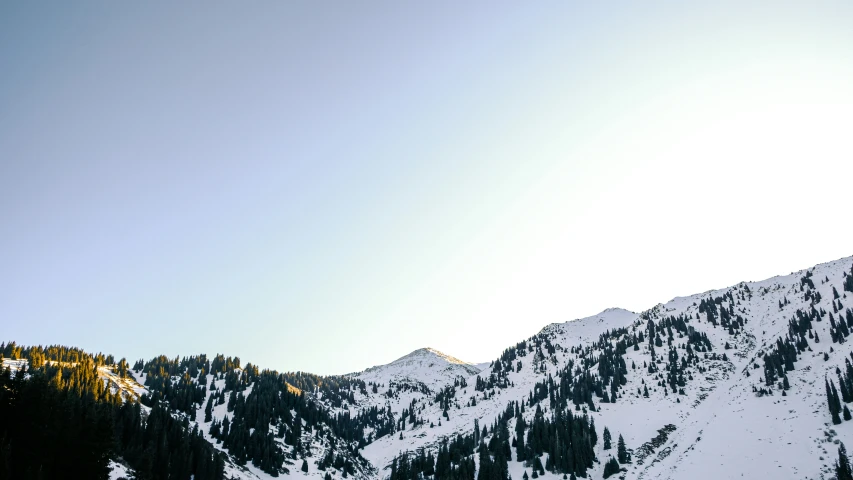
<point x="843" y="470"/>
<point x="606" y="437"/>
<point x="537" y="466"/>
<point x="833" y="402"/>
<point x="611" y="467"/>
<point x="622" y="451"/>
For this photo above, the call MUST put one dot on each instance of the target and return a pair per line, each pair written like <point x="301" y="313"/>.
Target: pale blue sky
<point x="328" y="186"/>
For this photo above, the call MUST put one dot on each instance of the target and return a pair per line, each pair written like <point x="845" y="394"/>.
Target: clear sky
<point x="326" y="186"/>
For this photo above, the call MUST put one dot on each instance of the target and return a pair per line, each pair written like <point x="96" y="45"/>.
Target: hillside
<point x="424" y="368"/>
<point x="727" y="383"/>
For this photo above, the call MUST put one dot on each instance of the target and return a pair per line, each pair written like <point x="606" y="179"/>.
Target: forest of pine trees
<point x="271" y="422"/>
<point x="180" y="386"/>
<point x="62" y="422"/>
<point x="568" y="439"/>
<point x="260" y="415"/>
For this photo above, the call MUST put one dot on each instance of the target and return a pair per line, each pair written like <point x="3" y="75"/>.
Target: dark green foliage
<point x="77" y="440"/>
<point x="258" y="416"/>
<point x="569" y="440"/>
<point x="454" y="461"/>
<point x="611" y="467"/>
<point x="537" y="466"/>
<point x="843" y="470"/>
<point x="833" y="402"/>
<point x="622" y="452"/>
<point x="255" y="419"/>
<point x="64" y="423"/>
<point x="182" y="394"/>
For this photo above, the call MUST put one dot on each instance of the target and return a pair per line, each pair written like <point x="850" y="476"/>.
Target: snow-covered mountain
<point x="727" y="383"/>
<point x="728" y="422"/>
<point x="585" y="330"/>
<point x="425" y="367"/>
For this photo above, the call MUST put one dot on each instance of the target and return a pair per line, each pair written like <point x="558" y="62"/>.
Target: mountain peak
<point x="428" y="352"/>
<point x="589" y="328"/>
<point x="426" y="366"/>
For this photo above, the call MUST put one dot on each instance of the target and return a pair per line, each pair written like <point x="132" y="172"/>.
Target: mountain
<point x="585" y="330"/>
<point x="748" y="381"/>
<point x="425" y="367"/>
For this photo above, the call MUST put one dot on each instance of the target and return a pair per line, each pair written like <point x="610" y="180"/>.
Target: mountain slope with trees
<point x="753" y="380"/>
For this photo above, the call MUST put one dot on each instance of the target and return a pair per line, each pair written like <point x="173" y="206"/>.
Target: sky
<point x="327" y="186"/>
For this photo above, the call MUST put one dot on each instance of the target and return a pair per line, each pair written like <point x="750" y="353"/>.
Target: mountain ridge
<point x="728" y="382"/>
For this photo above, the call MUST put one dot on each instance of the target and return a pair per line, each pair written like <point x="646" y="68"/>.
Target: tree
<point x="537" y="465"/>
<point x="305" y="466"/>
<point x="833" y="402"/>
<point x="208" y="410"/>
<point x="611" y="467"/>
<point x="606" y="437"/>
<point x="622" y="451"/>
<point x="842" y="467"/>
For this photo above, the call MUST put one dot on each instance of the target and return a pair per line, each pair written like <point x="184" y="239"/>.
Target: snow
<point x="585" y="330"/>
<point x="130" y="387"/>
<point x="722" y="428"/>
<point x="118" y="471"/>
<point x="425" y="366"/>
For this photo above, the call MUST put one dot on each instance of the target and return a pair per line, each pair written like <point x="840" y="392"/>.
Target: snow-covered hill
<point x="728" y="383"/>
<point x="722" y="426"/>
<point x="585" y="330"/>
<point x="425" y="367"/>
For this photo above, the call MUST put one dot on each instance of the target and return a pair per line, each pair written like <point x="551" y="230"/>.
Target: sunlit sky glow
<point x="327" y="187"/>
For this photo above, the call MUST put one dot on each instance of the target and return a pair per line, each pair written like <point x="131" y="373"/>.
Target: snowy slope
<point x="723" y="422"/>
<point x="129" y="387"/>
<point x="426" y="366"/>
<point x="723" y="428"/>
<point x="586" y="330"/>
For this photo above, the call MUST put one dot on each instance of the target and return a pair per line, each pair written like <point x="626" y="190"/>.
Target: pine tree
<point x="305" y="466"/>
<point x="611" y="467"/>
<point x="843" y="470"/>
<point x="833" y="402"/>
<point x="606" y="437"/>
<point x="208" y="410"/>
<point x="622" y="451"/>
<point x="537" y="465"/>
